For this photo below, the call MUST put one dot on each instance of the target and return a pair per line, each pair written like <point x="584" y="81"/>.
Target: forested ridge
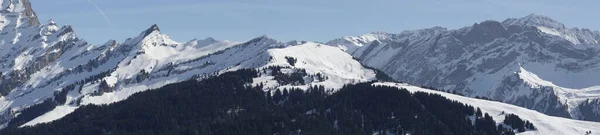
<point x="227" y="104"/>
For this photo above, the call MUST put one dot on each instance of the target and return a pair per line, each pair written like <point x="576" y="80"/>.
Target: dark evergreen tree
<point x="517" y="123"/>
<point x="291" y="60"/>
<point x="277" y="97"/>
<point x="225" y="104"/>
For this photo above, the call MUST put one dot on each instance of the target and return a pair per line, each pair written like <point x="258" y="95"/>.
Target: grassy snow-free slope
<point x="546" y="125"/>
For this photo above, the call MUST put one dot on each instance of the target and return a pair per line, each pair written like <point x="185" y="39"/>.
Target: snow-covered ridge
<point x="38" y="62"/>
<point x="581" y="38"/>
<point x="493" y="59"/>
<point x="338" y="67"/>
<point x="570" y="97"/>
<point x="153" y="60"/>
<point x="546" y="125"/>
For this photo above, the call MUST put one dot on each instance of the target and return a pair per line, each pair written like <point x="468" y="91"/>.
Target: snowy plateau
<point x="533" y="62"/>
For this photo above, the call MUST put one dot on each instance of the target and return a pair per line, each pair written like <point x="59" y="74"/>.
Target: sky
<point x="98" y="21"/>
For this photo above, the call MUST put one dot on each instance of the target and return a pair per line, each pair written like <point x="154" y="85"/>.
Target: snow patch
<point x="56" y="113"/>
<point x="569" y="37"/>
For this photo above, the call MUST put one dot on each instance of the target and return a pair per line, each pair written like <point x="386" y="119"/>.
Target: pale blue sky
<point x="312" y="20"/>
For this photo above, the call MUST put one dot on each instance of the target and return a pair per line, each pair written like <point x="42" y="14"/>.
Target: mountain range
<point x="534" y="62"/>
<point x="47" y="72"/>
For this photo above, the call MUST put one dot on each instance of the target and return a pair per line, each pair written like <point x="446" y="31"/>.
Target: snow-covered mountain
<point x="152" y="60"/>
<point x="47" y="66"/>
<point x="546" y="125"/>
<point x="46" y="71"/>
<point x="534" y="62"/>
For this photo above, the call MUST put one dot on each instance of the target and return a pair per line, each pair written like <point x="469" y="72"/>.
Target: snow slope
<point x="165" y="61"/>
<point x="546" y="125"/>
<point x="315" y="58"/>
<point x="533" y="62"/>
<point x="38" y="62"/>
<point x="580" y="38"/>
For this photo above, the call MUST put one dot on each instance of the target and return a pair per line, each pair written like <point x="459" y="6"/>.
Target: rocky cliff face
<point x="534" y="61"/>
<point x="26" y="46"/>
<point x="46" y="71"/>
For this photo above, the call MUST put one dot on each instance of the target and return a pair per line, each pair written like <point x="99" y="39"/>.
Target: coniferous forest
<point x="228" y="105"/>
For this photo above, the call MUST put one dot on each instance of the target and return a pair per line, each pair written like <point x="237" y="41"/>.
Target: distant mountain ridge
<point x="46" y="71"/>
<point x="534" y="61"/>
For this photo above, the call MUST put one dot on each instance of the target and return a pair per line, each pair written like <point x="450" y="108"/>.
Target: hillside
<point x="545" y="124"/>
<point x="534" y="62"/>
<point x="225" y="104"/>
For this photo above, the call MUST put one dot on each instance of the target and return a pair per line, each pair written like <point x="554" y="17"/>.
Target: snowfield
<point x="330" y="61"/>
<point x="215" y="58"/>
<point x="555" y="75"/>
<point x="546" y="125"/>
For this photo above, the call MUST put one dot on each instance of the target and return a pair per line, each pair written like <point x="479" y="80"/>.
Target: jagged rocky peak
<point x="380" y="34"/>
<point x="66" y="30"/>
<point x="50" y="27"/>
<point x="486" y="31"/>
<point x="148" y="32"/>
<point x="152" y="28"/>
<point x="535" y="20"/>
<point x="22" y="8"/>
<point x="262" y="39"/>
<point x="111" y="43"/>
<point x="51" y="22"/>
<point x="151" y="37"/>
<point x="210" y="39"/>
<point x="490" y="24"/>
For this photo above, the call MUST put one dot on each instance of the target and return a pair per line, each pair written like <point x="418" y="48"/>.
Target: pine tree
<point x="285" y="94"/>
<point x="478" y="113"/>
<point x="277" y="96"/>
<point x="269" y="97"/>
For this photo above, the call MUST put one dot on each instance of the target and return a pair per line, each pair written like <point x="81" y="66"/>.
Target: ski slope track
<point x="534" y="62"/>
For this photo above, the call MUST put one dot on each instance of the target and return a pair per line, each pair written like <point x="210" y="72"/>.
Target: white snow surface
<point x="315" y="58"/>
<point x="572" y="97"/>
<point x="559" y="62"/>
<point x="546" y="125"/>
<point x="44" y="58"/>
<point x="56" y="113"/>
<point x="175" y="62"/>
<point x="36" y="60"/>
<point x="580" y="38"/>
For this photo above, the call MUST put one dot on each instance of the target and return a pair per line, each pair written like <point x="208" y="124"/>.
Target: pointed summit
<point x="263" y="39"/>
<point x="152" y="28"/>
<point x="210" y="39"/>
<point x="22" y="8"/>
<point x="535" y="20"/>
<point x="51" y="22"/>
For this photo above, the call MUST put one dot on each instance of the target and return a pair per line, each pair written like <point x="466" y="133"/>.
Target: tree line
<point x="226" y="104"/>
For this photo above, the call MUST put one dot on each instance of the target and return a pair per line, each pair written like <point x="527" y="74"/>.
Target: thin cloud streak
<point x="101" y="13"/>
